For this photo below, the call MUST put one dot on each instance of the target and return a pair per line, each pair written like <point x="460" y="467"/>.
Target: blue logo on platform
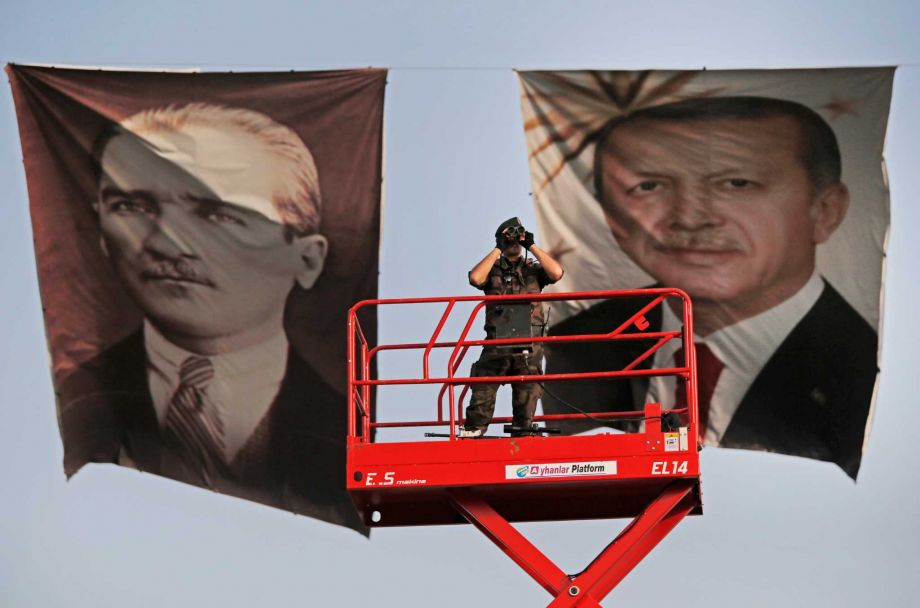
<point x="522" y="471"/>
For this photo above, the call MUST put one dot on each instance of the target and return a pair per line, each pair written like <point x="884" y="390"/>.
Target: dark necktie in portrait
<point x="197" y="254"/>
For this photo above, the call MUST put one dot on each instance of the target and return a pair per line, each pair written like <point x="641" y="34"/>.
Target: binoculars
<point x="513" y="233"/>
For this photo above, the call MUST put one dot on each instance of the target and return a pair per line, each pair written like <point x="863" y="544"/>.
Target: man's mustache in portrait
<point x="178" y="269"/>
<point x="696" y="241"/>
<point x="708" y="239"/>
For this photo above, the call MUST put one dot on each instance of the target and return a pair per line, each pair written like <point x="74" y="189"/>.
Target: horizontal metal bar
<point x="530" y="297"/>
<point x="545" y="418"/>
<point x="654" y="335"/>
<point x="636" y="373"/>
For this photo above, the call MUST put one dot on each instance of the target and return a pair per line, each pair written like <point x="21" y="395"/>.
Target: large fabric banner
<point x="762" y="194"/>
<point x="199" y="238"/>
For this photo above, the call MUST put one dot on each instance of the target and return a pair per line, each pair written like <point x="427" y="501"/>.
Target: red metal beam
<point x="631" y="337"/>
<point x="607" y="581"/>
<point x="513" y="543"/>
<point x="588" y="588"/>
<point x="629" y="548"/>
<point x="630" y="415"/>
<point x="663" y="371"/>
<point x="444" y="388"/>
<point x="352" y="322"/>
<point x="640" y="314"/>
<point x="434" y="336"/>
<point x="530" y="297"/>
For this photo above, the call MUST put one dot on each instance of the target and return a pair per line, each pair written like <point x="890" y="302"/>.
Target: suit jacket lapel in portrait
<point x="294" y="460"/>
<point x="811" y="399"/>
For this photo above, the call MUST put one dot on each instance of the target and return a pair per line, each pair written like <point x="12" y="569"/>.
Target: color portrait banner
<point x="762" y="194"/>
<point x="199" y="239"/>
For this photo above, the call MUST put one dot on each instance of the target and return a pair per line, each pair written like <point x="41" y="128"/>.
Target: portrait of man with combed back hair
<point x="210" y="215"/>
<point x="199" y="239"/>
<point x="688" y="180"/>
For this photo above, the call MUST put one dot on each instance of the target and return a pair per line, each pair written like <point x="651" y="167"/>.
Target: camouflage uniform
<point x="523" y="276"/>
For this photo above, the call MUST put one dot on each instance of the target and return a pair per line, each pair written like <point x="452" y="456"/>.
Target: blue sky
<point x="777" y="530"/>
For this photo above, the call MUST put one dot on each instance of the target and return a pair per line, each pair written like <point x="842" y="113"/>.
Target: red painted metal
<point x="628" y="549"/>
<point x="512" y="542"/>
<point x="434" y="336"/>
<point x="507" y="419"/>
<point x="607" y="569"/>
<point x="652" y="476"/>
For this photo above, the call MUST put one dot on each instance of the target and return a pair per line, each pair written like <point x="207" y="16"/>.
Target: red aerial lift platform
<point x="651" y="475"/>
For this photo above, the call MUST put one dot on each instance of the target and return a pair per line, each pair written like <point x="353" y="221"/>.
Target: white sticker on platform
<point x="560" y="469"/>
<point x="671" y="442"/>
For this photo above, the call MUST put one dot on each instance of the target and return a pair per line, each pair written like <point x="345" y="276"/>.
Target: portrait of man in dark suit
<point x="210" y="215"/>
<point x="728" y="199"/>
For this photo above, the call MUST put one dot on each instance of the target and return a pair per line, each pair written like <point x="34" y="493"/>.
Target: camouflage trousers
<point x="524" y="395"/>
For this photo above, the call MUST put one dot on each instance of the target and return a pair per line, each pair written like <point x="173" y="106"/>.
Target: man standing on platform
<point x="508" y="270"/>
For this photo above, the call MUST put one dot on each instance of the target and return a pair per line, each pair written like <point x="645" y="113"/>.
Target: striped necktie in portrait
<point x="708" y="370"/>
<point x="193" y="423"/>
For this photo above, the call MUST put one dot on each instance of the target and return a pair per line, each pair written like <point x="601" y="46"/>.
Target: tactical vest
<point x="507" y="278"/>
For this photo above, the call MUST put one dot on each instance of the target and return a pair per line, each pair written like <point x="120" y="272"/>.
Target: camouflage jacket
<point x="523" y="276"/>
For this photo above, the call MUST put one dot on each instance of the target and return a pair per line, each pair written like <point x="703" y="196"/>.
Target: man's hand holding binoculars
<point x="514" y="234"/>
<point x="527" y="240"/>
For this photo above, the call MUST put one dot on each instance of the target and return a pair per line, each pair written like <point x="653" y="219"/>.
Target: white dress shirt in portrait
<point x="744" y="348"/>
<point x="243" y="389"/>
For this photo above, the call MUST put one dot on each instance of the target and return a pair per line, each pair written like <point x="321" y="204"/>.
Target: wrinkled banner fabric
<point x="762" y="194"/>
<point x="199" y="238"/>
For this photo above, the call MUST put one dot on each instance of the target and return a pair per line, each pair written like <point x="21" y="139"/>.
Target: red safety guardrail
<point x="361" y="355"/>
